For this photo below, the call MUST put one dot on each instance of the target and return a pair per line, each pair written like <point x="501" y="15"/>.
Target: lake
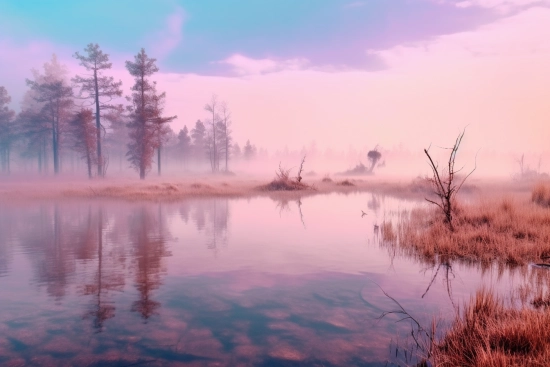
<point x="216" y="282"/>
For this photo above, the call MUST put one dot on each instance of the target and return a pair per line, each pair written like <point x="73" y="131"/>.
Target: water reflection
<point x="105" y="278"/>
<point x="47" y="236"/>
<point x="212" y="281"/>
<point x="147" y="235"/>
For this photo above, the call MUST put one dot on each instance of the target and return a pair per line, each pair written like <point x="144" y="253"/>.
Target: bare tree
<point x="99" y="88"/>
<point x="521" y="162"/>
<point x="225" y="124"/>
<point x="444" y="183"/>
<point x="145" y="111"/>
<point x="212" y="107"/>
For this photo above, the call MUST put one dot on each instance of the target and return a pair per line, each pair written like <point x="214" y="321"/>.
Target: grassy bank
<point x="510" y="231"/>
<point x="490" y="330"/>
<point x="179" y="188"/>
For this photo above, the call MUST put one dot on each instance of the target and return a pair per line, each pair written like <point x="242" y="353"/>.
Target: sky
<point x="340" y="74"/>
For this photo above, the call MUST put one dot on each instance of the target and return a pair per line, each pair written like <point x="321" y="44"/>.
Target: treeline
<point x="86" y="114"/>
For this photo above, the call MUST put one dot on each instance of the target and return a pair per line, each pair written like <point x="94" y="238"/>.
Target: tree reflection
<point x="8" y="230"/>
<point x="211" y="216"/>
<point x="48" y="241"/>
<point x="106" y="277"/>
<point x="148" y="235"/>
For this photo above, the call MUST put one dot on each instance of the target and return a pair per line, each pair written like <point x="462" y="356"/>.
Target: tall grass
<point x="488" y="333"/>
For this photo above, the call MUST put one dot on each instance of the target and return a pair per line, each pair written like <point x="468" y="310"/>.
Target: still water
<point x="213" y="282"/>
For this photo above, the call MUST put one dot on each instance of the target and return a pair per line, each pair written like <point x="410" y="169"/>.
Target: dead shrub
<point x="283" y="181"/>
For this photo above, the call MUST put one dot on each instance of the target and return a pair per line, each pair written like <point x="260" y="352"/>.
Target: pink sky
<point x="493" y="79"/>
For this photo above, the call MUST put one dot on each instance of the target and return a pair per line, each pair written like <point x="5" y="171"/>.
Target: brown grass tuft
<point x="284" y="185"/>
<point x="326" y="179"/>
<point x="541" y="195"/>
<point x="504" y="231"/>
<point x="346" y="183"/>
<point x="489" y="334"/>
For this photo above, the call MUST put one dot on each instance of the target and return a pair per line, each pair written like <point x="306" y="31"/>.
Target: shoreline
<point x="204" y="186"/>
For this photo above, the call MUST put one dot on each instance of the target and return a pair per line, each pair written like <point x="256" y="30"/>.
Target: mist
<point x="275" y="182"/>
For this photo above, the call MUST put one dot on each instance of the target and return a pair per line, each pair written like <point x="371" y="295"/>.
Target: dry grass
<point x="541" y="195"/>
<point x="327" y="179"/>
<point x="283" y="182"/>
<point x="285" y="185"/>
<point x="345" y="183"/>
<point x="505" y="230"/>
<point x="490" y="334"/>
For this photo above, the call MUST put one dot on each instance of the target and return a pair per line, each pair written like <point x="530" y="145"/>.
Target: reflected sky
<point x="264" y="282"/>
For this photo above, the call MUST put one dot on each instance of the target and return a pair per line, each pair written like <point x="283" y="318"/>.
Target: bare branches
<point x="424" y="339"/>
<point x="443" y="181"/>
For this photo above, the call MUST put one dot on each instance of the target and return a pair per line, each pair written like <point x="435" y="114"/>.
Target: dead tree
<point x="444" y="182"/>
<point x="299" y="177"/>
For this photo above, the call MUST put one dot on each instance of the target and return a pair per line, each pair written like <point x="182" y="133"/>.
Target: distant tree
<point x="84" y="135"/>
<point x="34" y="130"/>
<point x="213" y="135"/>
<point x="249" y="150"/>
<point x="373" y="156"/>
<point x="225" y="132"/>
<point x="146" y="110"/>
<point x="184" y="144"/>
<point x="161" y="128"/>
<point x="198" y="134"/>
<point x="236" y="151"/>
<point x="55" y="96"/>
<point x="7" y="129"/>
<point x="99" y="88"/>
<point x="117" y="139"/>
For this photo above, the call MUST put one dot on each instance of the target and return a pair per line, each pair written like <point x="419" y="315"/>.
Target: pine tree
<point x="100" y="89"/>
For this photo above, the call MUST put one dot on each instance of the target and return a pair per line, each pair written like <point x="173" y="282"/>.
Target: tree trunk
<point x="55" y="147"/>
<point x="158" y="158"/>
<point x="98" y="129"/>
<point x="8" y="158"/>
<point x="226" y="149"/>
<point x="142" y="171"/>
<point x="89" y="161"/>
